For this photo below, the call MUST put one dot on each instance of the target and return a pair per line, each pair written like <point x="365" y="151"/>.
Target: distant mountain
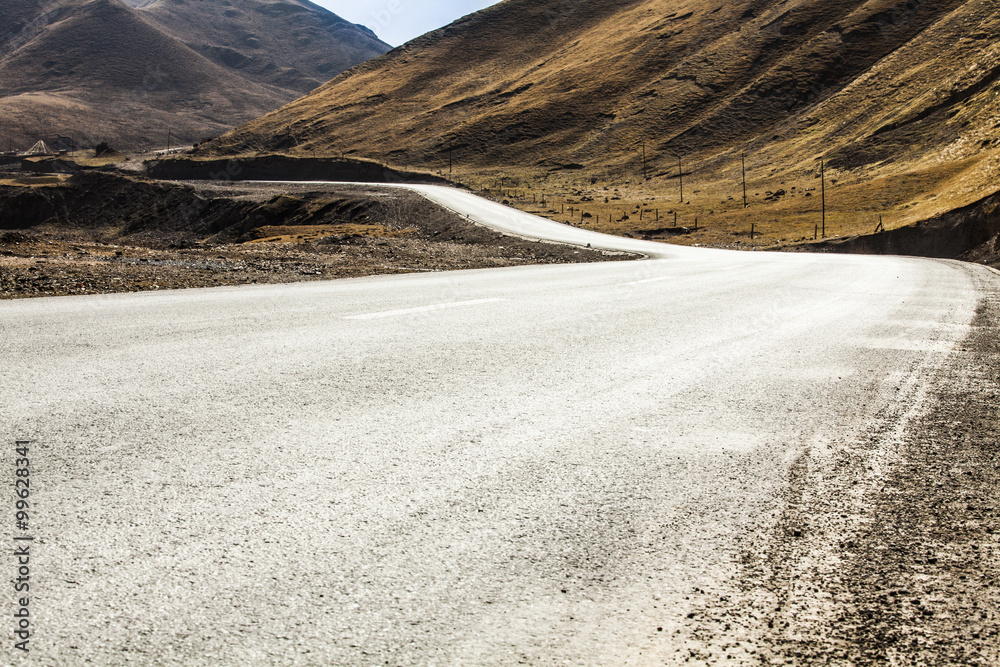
<point x="88" y="70"/>
<point x="899" y="90"/>
<point x="290" y="44"/>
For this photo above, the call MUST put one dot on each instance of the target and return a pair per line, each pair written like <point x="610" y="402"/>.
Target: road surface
<point x="587" y="464"/>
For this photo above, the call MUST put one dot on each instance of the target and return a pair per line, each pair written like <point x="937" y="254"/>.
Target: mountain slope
<point x="99" y="69"/>
<point x="294" y="45"/>
<point x="880" y="88"/>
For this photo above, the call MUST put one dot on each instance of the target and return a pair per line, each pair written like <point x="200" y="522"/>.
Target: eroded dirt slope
<point x="96" y="233"/>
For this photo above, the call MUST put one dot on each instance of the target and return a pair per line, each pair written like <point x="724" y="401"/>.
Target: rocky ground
<point x="72" y="239"/>
<point x="918" y="583"/>
<point x="887" y="553"/>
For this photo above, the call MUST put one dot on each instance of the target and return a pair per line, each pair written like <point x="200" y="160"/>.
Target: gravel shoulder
<point x="921" y="580"/>
<point x="887" y="550"/>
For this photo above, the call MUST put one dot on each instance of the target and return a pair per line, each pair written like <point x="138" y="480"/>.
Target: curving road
<point x="559" y="464"/>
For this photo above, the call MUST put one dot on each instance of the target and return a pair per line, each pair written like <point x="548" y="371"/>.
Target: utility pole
<point x="680" y="175"/>
<point x="168" y="141"/>
<point x="822" y="178"/>
<point x="743" y="159"/>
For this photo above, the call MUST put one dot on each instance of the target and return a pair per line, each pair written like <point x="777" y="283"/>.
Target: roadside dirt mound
<point x="97" y="232"/>
<point x="111" y="206"/>
<point x="282" y="168"/>
<point x="969" y="233"/>
<point x="988" y="253"/>
<point x="104" y="150"/>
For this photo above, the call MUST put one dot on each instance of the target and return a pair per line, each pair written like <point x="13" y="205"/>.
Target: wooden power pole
<point x="822" y="179"/>
<point x="743" y="160"/>
<point x="680" y="175"/>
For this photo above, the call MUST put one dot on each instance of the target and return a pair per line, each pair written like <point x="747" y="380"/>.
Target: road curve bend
<point x="618" y="463"/>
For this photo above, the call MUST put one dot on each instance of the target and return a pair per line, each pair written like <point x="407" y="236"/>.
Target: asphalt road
<point x="562" y="464"/>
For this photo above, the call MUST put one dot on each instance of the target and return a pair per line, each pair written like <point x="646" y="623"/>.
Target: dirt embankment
<point x="111" y="207"/>
<point x="282" y="168"/>
<point x="971" y="233"/>
<point x="98" y="232"/>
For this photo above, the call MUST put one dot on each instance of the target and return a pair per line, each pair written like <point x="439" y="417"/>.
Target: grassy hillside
<point x="899" y="98"/>
<point x="99" y="70"/>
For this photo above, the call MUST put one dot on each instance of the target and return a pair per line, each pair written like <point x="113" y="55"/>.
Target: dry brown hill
<point x="95" y="70"/>
<point x="292" y="44"/>
<point x="898" y="96"/>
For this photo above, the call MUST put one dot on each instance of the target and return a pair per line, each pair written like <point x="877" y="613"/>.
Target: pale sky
<point x="399" y="21"/>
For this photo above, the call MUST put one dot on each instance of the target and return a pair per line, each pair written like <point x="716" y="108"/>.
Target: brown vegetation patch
<point x="899" y="99"/>
<point x="313" y="233"/>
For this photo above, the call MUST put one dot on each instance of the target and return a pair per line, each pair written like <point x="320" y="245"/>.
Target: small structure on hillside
<point x="40" y="148"/>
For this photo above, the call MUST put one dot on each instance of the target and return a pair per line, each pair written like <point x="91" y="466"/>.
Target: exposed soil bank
<point x="971" y="233"/>
<point x="284" y="168"/>
<point x="136" y="210"/>
<point x="100" y="232"/>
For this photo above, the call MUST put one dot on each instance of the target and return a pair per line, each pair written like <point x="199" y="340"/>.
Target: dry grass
<point x="716" y="207"/>
<point x="313" y="233"/>
<point x="900" y="100"/>
<point x="88" y="159"/>
<point x="32" y="181"/>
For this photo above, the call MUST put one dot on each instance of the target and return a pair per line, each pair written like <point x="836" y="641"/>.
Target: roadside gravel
<point x="887" y="550"/>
